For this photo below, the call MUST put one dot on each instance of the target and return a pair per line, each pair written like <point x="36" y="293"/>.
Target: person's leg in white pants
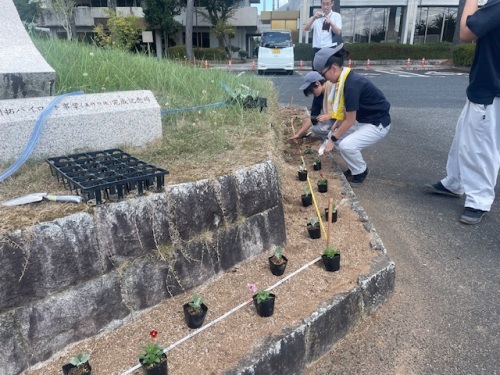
<point x="474" y="156"/>
<point x="358" y="137"/>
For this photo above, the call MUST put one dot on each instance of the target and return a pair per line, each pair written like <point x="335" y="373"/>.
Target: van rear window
<point x="276" y="39"/>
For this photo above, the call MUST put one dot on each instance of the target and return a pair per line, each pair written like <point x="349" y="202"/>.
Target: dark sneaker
<point x="348" y="175"/>
<point x="438" y="188"/>
<point x="472" y="216"/>
<point x="358" y="179"/>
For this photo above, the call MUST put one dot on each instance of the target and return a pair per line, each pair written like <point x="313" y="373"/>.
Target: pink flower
<point x="252" y="288"/>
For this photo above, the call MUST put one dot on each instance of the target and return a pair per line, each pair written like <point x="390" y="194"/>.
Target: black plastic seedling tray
<point x="104" y="174"/>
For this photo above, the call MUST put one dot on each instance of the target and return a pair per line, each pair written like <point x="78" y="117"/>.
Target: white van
<point x="275" y="52"/>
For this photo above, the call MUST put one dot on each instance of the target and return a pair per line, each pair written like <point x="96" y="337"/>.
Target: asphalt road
<point x="444" y="317"/>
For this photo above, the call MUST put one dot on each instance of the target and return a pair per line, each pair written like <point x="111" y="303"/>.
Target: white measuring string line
<point x="225" y="315"/>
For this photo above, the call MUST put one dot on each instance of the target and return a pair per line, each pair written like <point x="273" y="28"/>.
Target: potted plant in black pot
<point x="334" y="214"/>
<point x="195" y="311"/>
<point x="303" y="172"/>
<point x="322" y="184"/>
<point x="331" y="259"/>
<point x="307" y="199"/>
<point x="263" y="301"/>
<point x="153" y="361"/>
<point x="78" y="365"/>
<point x="317" y="164"/>
<point x="314" y="229"/>
<point x="278" y="262"/>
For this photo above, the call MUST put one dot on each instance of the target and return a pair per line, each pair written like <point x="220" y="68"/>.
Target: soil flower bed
<point x="224" y="343"/>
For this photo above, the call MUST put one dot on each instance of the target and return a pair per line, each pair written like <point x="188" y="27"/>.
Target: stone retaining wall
<point x="72" y="278"/>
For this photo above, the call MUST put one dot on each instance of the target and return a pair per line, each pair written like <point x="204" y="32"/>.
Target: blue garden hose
<point x="41" y="120"/>
<point x="211" y="105"/>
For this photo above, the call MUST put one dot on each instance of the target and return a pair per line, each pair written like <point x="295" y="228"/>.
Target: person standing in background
<point x="474" y="156"/>
<point x="326" y="26"/>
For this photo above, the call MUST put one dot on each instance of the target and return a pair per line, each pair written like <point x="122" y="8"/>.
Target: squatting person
<point x="360" y="109"/>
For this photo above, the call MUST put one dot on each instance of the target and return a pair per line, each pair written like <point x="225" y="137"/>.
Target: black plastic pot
<point x="266" y="308"/>
<point x="307" y="200"/>
<point x="194" y="321"/>
<point x="160" y="369"/>
<point x="314" y="232"/>
<point x="323" y="188"/>
<point x="262" y="103"/>
<point x="334" y="215"/>
<point x="331" y="264"/>
<point x="86" y="371"/>
<point x="302" y="175"/>
<point x="317" y="166"/>
<point x="277" y="269"/>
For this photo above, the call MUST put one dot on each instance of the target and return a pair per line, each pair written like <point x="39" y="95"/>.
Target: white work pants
<point x="358" y="137"/>
<point x="474" y="156"/>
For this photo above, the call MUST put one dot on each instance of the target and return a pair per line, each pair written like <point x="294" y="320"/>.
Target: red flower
<point x="153" y="333"/>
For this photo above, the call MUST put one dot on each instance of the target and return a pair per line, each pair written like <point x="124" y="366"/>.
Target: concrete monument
<point x="24" y="71"/>
<point x="87" y="122"/>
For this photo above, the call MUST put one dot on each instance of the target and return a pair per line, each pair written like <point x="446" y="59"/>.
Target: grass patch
<point x="195" y="145"/>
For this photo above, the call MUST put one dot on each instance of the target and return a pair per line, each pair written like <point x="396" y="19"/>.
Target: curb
<point x="356" y="64"/>
<point x="293" y="351"/>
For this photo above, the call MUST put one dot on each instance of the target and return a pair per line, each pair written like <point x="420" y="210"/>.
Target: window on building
<point x="201" y="40"/>
<point x="371" y="25"/>
<point x="435" y="24"/>
<point x="119" y="3"/>
<point x="128" y="3"/>
<point x="99" y="3"/>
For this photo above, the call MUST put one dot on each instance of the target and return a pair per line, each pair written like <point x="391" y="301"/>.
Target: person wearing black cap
<point x="360" y="109"/>
<point x="321" y="110"/>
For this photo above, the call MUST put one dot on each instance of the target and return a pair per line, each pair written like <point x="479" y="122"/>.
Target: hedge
<point x="462" y="54"/>
<point x="385" y="51"/>
<point x="212" y="54"/>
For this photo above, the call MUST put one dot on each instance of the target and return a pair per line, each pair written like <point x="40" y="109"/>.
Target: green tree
<point x="218" y="13"/>
<point x="28" y="10"/>
<point x="121" y="32"/>
<point x="224" y="32"/>
<point x="64" y="10"/>
<point x="160" y="14"/>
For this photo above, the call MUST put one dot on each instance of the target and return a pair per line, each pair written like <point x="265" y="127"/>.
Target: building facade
<point x="90" y="13"/>
<point x="400" y="21"/>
